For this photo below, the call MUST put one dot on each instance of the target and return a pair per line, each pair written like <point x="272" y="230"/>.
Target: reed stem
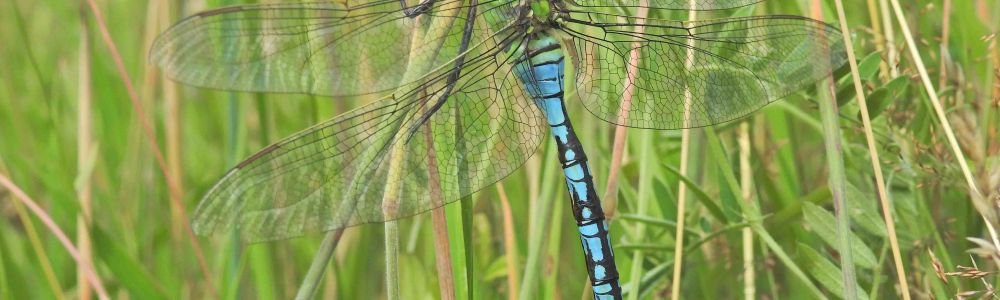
<point x="84" y="157"/>
<point x="746" y="181"/>
<point x="318" y="267"/>
<point x="675" y="286"/>
<point x="883" y="196"/>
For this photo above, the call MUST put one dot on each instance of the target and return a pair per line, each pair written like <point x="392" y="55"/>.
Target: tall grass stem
<point x="883" y="196"/>
<point x="675" y="279"/>
<point x="88" y="271"/>
<point x="150" y="135"/>
<point x="84" y="158"/>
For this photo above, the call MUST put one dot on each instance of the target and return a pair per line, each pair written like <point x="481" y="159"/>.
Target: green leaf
<point x="700" y="194"/>
<point x="823" y="223"/>
<point x="130" y="273"/>
<point x="864" y="212"/>
<point x="825" y="272"/>
<point x="869" y="66"/>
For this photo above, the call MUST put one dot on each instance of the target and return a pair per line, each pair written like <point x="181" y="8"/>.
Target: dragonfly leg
<point x="416" y="10"/>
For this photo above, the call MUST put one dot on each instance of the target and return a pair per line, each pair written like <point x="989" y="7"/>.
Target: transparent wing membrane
<point x="693" y="74"/>
<point x="323" y="48"/>
<point x="453" y="118"/>
<point x="666" y="4"/>
<point x="394" y="158"/>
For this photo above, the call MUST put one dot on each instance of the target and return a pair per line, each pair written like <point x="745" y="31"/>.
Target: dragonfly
<point x="466" y="91"/>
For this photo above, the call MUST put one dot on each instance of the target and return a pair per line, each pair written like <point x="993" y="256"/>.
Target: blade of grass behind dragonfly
<point x="751" y="210"/>
<point x="540" y="220"/>
<point x="832" y="138"/>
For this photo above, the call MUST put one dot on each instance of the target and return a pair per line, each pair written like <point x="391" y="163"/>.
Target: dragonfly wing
<point x="397" y="157"/>
<point x="323" y="48"/>
<point x="666" y="4"/>
<point x="693" y="74"/>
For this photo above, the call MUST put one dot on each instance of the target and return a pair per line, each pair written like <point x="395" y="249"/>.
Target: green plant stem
<point x="540" y="220"/>
<point x="318" y="267"/>
<point x="838" y="185"/>
<point x="751" y="212"/>
<point x="873" y="154"/>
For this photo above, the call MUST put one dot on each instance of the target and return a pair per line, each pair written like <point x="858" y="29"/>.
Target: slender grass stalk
<point x="439" y="222"/>
<point x="84" y="145"/>
<point x="837" y="173"/>
<point x="890" y="39"/>
<point x="390" y="209"/>
<point x="751" y="213"/>
<point x="977" y="197"/>
<point x="879" y="39"/>
<point x="675" y="286"/>
<point x="541" y="220"/>
<point x="644" y="172"/>
<point x="39" y="249"/>
<point x="883" y="196"/>
<point x="746" y="181"/>
<point x="318" y="267"/>
<point x="150" y="135"/>
<point x="23" y="198"/>
<point x="509" y="242"/>
<point x="172" y="131"/>
<point x="644" y="198"/>
<point x="943" y="48"/>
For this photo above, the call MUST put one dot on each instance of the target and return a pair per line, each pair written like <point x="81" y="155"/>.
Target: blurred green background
<point x="74" y="142"/>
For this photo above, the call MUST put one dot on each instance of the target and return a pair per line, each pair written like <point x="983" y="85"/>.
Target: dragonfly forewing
<point x="666" y="4"/>
<point x="322" y="48"/>
<point x="339" y="173"/>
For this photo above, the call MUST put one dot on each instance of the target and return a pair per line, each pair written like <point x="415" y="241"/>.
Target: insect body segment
<point x="542" y="74"/>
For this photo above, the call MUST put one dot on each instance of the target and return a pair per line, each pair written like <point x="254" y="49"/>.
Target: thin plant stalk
<point x="746" y="180"/>
<point x="390" y="209"/>
<point x="675" y="287"/>
<point x="945" y="38"/>
<point x="39" y="249"/>
<point x="83" y="156"/>
<point x="509" y="242"/>
<point x="23" y="198"/>
<point x="318" y="267"/>
<point x="892" y="55"/>
<point x="439" y="222"/>
<point x="541" y="219"/>
<point x="837" y="173"/>
<point x="149" y="133"/>
<point x="877" y="36"/>
<point x="644" y="185"/>
<point x="883" y="196"/>
<point x="643" y="198"/>
<point x="621" y="132"/>
<point x="751" y="212"/>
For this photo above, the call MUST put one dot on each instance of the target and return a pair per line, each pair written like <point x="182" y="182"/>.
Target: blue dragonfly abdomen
<point x="542" y="71"/>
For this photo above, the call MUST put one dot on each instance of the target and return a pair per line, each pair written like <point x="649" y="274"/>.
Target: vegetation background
<point x="75" y="137"/>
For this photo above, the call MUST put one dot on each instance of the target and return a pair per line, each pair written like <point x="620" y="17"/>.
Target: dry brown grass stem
<point x="883" y="196"/>
<point x="88" y="269"/>
<point x="84" y="100"/>
<point x="675" y="285"/>
<point x="945" y="37"/>
<point x="892" y="55"/>
<point x="150" y="135"/>
<point x="873" y="14"/>
<point x="746" y="181"/>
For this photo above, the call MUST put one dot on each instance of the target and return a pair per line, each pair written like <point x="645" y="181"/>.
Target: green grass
<point x="140" y="249"/>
